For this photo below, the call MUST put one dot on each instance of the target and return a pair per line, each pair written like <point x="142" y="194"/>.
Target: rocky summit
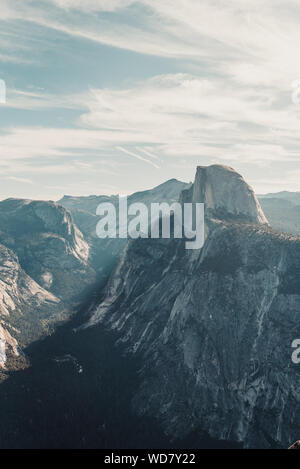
<point x="213" y="328"/>
<point x="225" y="194"/>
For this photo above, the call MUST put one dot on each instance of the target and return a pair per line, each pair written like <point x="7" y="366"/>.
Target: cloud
<point x="254" y="35"/>
<point x="20" y="179"/>
<point x="255" y="43"/>
<point x="172" y="115"/>
<point x="234" y="105"/>
<point x="13" y="59"/>
<point x="148" y="153"/>
<point x="138" y="26"/>
<point x="92" y="5"/>
<point x="182" y="114"/>
<point x="31" y="100"/>
<point x="135" y="155"/>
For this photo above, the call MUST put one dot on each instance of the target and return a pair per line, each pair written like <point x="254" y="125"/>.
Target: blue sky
<point x="113" y="96"/>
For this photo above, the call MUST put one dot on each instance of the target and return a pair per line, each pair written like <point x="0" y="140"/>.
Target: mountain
<point x="50" y="260"/>
<point x="225" y="194"/>
<point x="213" y="328"/>
<point x="84" y="209"/>
<point x="25" y="307"/>
<point x="283" y="211"/>
<point x="293" y="197"/>
<point x="44" y="270"/>
<point x="168" y="191"/>
<point x="50" y="247"/>
<point x="105" y="252"/>
<point x="184" y="345"/>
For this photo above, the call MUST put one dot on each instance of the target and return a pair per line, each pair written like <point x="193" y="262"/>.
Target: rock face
<point x="225" y="194"/>
<point x="50" y="248"/>
<point x="7" y="342"/>
<point x="214" y="327"/>
<point x="26" y="309"/>
<point x="43" y="270"/>
<point x="296" y="445"/>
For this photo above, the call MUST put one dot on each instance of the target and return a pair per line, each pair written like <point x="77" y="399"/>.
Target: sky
<point x="116" y="96"/>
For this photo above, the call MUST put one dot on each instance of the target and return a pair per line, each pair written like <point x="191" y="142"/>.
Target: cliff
<point x="213" y="328"/>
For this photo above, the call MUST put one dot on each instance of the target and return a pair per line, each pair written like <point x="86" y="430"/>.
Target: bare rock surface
<point x="26" y="308"/>
<point x="296" y="445"/>
<point x="225" y="193"/>
<point x="44" y="267"/>
<point x="213" y="328"/>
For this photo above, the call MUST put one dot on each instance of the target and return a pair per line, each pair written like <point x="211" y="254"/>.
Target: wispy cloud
<point x="231" y="103"/>
<point x="135" y="155"/>
<point x="255" y="36"/>
<point x="182" y="114"/>
<point x="20" y="179"/>
<point x="30" y="100"/>
<point x="148" y="153"/>
<point x="92" y="5"/>
<point x="172" y="115"/>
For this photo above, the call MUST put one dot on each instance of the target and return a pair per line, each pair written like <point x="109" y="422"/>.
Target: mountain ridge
<point x="210" y="330"/>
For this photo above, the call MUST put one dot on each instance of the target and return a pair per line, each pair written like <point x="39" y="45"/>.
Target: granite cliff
<point x="44" y="269"/>
<point x="213" y="328"/>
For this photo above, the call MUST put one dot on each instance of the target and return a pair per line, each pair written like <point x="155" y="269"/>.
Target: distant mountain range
<point x="293" y="197"/>
<point x="282" y="210"/>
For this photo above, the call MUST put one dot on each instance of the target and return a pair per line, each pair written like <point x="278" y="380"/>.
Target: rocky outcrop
<point x="225" y="194"/>
<point x="213" y="328"/>
<point x="44" y="270"/>
<point x="296" y="445"/>
<point x="7" y="342"/>
<point x="26" y="309"/>
<point x="49" y="246"/>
